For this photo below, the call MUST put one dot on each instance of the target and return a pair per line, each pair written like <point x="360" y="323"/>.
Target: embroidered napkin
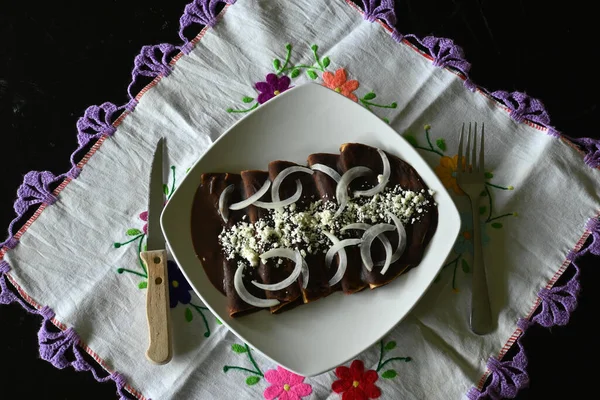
<point x="72" y="251"/>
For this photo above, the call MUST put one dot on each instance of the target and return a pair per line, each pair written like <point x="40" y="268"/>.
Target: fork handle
<point x="481" y="314"/>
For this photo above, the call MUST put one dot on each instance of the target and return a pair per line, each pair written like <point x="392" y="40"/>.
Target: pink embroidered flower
<point x="340" y="84"/>
<point x="144" y="217"/>
<point x="285" y="385"/>
<point x="355" y="383"/>
<point x="272" y="87"/>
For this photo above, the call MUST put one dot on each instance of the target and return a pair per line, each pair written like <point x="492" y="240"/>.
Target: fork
<point x="470" y="176"/>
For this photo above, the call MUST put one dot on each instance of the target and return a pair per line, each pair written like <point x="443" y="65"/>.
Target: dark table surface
<point x="58" y="57"/>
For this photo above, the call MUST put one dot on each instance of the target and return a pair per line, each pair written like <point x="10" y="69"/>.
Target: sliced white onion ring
<point x="401" y="240"/>
<point x="383" y="180"/>
<point x="381" y="237"/>
<point x="332" y="173"/>
<point x="285" y="253"/>
<point x="223" y="210"/>
<point x="361" y="226"/>
<point x="343" y="261"/>
<point x="305" y="274"/>
<point x="282" y="175"/>
<point x="368" y="237"/>
<point x="339" y="246"/>
<point x="279" y="204"/>
<point x="388" y="257"/>
<point x="241" y="290"/>
<point x="341" y="190"/>
<point x="252" y="199"/>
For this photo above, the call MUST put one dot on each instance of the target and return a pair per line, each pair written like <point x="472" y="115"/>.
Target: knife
<point x="155" y="258"/>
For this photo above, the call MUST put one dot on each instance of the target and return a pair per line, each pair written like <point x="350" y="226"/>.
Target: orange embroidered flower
<point x="446" y="171"/>
<point x="340" y="84"/>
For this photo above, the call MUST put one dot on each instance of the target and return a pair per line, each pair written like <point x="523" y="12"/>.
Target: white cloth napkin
<point x="539" y="198"/>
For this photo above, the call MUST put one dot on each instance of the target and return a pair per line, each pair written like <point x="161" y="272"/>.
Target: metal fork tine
<point x="474" y="149"/>
<point x="468" y="150"/>
<point x="481" y="150"/>
<point x="460" y="150"/>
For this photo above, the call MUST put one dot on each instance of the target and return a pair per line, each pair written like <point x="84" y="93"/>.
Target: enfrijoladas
<point x="293" y="234"/>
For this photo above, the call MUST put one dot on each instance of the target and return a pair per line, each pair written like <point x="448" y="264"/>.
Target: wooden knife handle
<point x="158" y="307"/>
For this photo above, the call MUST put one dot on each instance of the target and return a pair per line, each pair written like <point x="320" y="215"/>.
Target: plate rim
<point x="167" y="211"/>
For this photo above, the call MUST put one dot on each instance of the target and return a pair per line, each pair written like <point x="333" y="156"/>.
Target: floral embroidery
<point x="256" y="373"/>
<point x="355" y="383"/>
<point x="464" y="242"/>
<point x="339" y="83"/>
<point x="285" y="385"/>
<point x="446" y="171"/>
<point x="272" y="87"/>
<point x="280" y="80"/>
<point x="179" y="288"/>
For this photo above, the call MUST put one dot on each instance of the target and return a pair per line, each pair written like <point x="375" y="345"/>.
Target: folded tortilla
<point x="418" y="233"/>
<point x="318" y="283"/>
<point x="269" y="271"/>
<point x="351" y="281"/>
<point x="207" y="224"/>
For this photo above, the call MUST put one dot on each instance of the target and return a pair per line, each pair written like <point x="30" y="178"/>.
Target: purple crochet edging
<point x="153" y="62"/>
<point x="555" y="305"/>
<point x="522" y="107"/>
<point x="507" y="377"/>
<point x="54" y="346"/>
<point x="35" y="190"/>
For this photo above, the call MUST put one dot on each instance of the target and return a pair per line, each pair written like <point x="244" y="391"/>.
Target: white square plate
<point x="315" y="337"/>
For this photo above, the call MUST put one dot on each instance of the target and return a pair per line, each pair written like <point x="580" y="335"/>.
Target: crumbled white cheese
<point x="302" y="230"/>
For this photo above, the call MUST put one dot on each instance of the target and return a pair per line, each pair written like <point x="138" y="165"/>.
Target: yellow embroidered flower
<point x="446" y="171"/>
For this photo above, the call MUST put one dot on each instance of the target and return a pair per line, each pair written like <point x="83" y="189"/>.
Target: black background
<point x="59" y="57"/>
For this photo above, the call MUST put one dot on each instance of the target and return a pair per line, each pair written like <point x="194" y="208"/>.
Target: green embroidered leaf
<point x="252" y="380"/>
<point x="465" y="266"/>
<point x="145" y="247"/>
<point x="390" y="345"/>
<point x="387" y="121"/>
<point x="370" y="96"/>
<point x="187" y="170"/>
<point x="488" y="175"/>
<point x="117" y="245"/>
<point x="311" y="74"/>
<point x="238" y="348"/>
<point x="132" y="232"/>
<point x="276" y="64"/>
<point x="245" y="99"/>
<point x="389" y="374"/>
<point x="120" y="270"/>
<point x="295" y="72"/>
<point x="314" y="47"/>
<point x="411" y="139"/>
<point x="496" y="225"/>
<point x="165" y="188"/>
<point x="288" y="47"/>
<point x="482" y="210"/>
<point x="441" y="144"/>
<point x="143" y="285"/>
<point x="218" y="321"/>
<point x="394" y="105"/>
<point x="188" y="315"/>
<point x="326" y="62"/>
